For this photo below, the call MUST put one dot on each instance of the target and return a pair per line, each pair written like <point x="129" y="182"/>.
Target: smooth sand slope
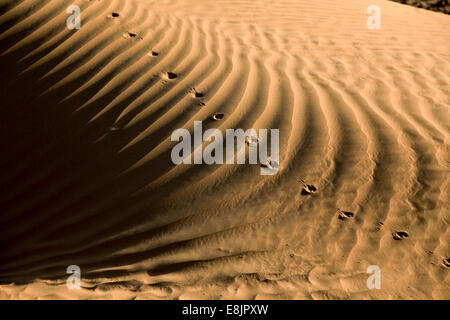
<point x="85" y="125"/>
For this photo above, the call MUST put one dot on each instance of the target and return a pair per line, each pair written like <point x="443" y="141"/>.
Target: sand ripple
<point x="85" y="134"/>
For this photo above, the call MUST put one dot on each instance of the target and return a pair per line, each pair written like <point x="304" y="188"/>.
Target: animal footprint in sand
<point x="379" y="225"/>
<point x="307" y="188"/>
<point x="195" y="93"/>
<point x="343" y="215"/>
<point x="153" y="54"/>
<point x="170" y="75"/>
<point x="446" y="263"/>
<point x="218" y="116"/>
<point x="130" y="35"/>
<point x="251" y="140"/>
<point x="112" y="15"/>
<point x="400" y="235"/>
<point x="270" y="164"/>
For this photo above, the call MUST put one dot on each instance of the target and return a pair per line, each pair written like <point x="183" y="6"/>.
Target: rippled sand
<point x="87" y="180"/>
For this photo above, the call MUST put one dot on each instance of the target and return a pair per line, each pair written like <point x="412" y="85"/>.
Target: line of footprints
<point x="344" y="215"/>
<point x="166" y="75"/>
<point x="307" y="189"/>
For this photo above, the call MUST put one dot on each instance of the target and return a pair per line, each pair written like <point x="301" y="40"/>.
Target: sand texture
<point x="87" y="180"/>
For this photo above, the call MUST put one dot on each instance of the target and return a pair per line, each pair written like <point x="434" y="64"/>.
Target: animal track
<point x="130" y="35"/>
<point x="251" y="140"/>
<point x="113" y="15"/>
<point x="345" y="214"/>
<point x="270" y="164"/>
<point x="379" y="224"/>
<point x="446" y="263"/>
<point x="307" y="188"/>
<point x="400" y="235"/>
<point x="170" y="75"/>
<point x="195" y="93"/>
<point x="218" y="116"/>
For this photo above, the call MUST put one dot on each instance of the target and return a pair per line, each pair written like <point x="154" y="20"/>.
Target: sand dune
<point x="86" y="120"/>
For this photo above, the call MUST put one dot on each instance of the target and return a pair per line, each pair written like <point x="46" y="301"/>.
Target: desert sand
<point x="435" y="5"/>
<point x="85" y="126"/>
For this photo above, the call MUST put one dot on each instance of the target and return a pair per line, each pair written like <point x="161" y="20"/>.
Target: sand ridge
<point x="87" y="178"/>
